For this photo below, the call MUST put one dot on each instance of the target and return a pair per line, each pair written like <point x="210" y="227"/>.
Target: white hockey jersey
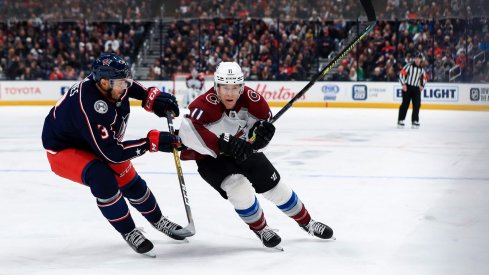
<point x="208" y="119"/>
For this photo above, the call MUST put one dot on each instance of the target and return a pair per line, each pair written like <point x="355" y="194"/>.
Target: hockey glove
<point x="263" y="132"/>
<point x="163" y="141"/>
<point x="160" y="103"/>
<point x="235" y="147"/>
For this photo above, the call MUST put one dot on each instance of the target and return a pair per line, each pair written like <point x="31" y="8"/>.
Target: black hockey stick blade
<point x="188" y="230"/>
<point x="369" y="10"/>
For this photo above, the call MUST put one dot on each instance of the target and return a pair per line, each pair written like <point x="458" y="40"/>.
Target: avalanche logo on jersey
<point x="254" y="96"/>
<point x="100" y="106"/>
<point x="212" y="98"/>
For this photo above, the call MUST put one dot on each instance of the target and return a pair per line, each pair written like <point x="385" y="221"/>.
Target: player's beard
<point x="110" y="92"/>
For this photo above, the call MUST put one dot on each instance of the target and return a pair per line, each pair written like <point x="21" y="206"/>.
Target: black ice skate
<point x="268" y="237"/>
<point x="415" y="125"/>
<point x="137" y="241"/>
<point x="318" y="229"/>
<point x="400" y="124"/>
<point x="168" y="228"/>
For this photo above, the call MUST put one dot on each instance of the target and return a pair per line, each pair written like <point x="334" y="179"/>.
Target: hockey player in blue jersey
<point x="83" y="136"/>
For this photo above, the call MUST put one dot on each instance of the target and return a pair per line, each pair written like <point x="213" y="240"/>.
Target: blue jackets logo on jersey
<point x="106" y="62"/>
<point x="100" y="106"/>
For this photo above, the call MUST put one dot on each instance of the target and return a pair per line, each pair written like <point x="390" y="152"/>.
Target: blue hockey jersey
<point x="85" y="119"/>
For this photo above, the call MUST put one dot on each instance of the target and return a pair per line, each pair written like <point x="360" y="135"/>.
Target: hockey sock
<point x="103" y="185"/>
<point x="287" y="201"/>
<point x="253" y="216"/>
<point x="141" y="198"/>
<point x="242" y="196"/>
<point x="117" y="213"/>
<point x="295" y="209"/>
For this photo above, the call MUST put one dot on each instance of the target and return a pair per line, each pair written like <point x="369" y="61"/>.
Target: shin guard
<point x="241" y="195"/>
<point x="103" y="185"/>
<point x="141" y="198"/>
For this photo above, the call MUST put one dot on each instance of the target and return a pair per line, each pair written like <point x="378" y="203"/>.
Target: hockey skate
<point x="269" y="238"/>
<point x="137" y="241"/>
<point x="415" y="125"/>
<point x="318" y="229"/>
<point x="168" y="228"/>
<point x="400" y="124"/>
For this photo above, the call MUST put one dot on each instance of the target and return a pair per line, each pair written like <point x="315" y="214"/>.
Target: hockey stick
<point x="367" y="5"/>
<point x="189" y="230"/>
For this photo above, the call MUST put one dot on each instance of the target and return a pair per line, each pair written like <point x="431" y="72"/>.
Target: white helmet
<point x="228" y="73"/>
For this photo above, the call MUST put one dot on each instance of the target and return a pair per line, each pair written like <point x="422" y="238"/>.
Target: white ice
<point x="401" y="201"/>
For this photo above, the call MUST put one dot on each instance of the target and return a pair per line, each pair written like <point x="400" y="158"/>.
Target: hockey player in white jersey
<point x="219" y="131"/>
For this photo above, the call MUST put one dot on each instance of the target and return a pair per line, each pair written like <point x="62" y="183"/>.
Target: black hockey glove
<point x="263" y="132"/>
<point x="163" y="141"/>
<point x="160" y="103"/>
<point x="235" y="147"/>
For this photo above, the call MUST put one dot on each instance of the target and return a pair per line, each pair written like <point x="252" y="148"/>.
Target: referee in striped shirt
<point x="413" y="79"/>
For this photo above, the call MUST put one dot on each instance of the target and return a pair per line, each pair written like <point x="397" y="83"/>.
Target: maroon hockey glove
<point x="163" y="141"/>
<point x="263" y="132"/>
<point x="160" y="103"/>
<point x="235" y="147"/>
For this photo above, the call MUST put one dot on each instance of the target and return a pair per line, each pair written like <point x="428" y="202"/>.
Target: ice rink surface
<point x="401" y="201"/>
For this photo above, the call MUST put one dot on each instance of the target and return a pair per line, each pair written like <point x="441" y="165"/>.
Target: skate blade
<point x="277" y="247"/>
<point x="184" y="240"/>
<point x="149" y="255"/>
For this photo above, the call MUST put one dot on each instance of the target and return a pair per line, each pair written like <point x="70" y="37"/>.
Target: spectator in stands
<point x="353" y="74"/>
<point x="478" y="72"/>
<point x="340" y="75"/>
<point x="439" y="73"/>
<point x="56" y="74"/>
<point x="245" y="68"/>
<point x="378" y="75"/>
<point x="391" y="75"/>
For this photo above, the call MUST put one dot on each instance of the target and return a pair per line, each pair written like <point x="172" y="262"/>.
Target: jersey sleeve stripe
<point x="134" y="145"/>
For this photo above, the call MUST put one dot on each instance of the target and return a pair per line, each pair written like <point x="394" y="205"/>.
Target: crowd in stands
<point x="326" y="10"/>
<point x="36" y="49"/>
<point x="445" y="44"/>
<point x="59" y="39"/>
<point x="272" y="40"/>
<point x="276" y="50"/>
<point x="72" y="10"/>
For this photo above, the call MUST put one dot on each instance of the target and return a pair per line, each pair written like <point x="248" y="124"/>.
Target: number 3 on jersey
<point x="104" y="134"/>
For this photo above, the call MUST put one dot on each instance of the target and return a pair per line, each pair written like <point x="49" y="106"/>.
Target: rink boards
<point x="451" y="96"/>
